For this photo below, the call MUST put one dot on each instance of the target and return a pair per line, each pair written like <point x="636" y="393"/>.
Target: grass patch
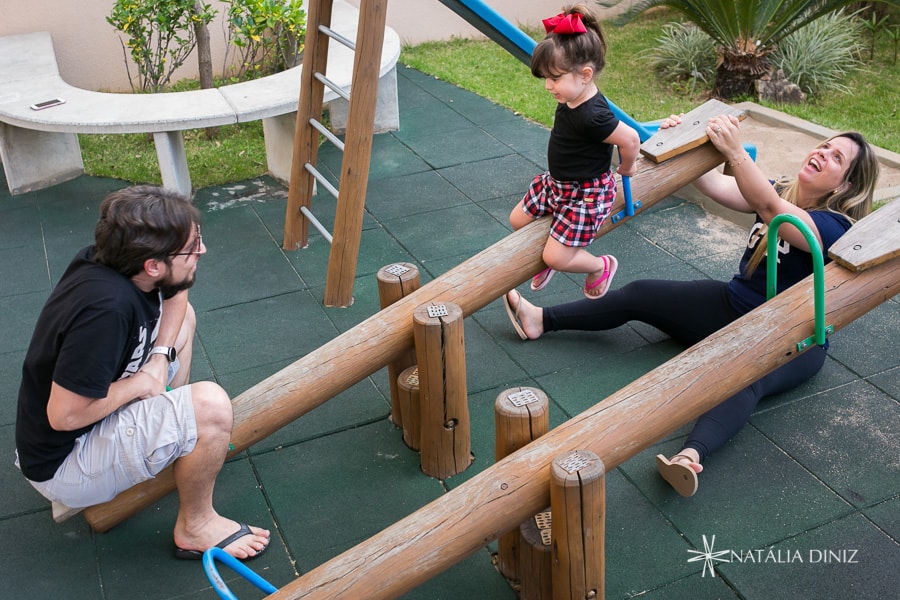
<point x="484" y="68"/>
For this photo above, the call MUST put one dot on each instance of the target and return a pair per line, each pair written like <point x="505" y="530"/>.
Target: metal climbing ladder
<point x="356" y="147"/>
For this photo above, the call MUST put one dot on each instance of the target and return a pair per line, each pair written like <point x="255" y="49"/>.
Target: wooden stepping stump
<point x="668" y="143"/>
<point x="397" y="281"/>
<point x="410" y="407"/>
<point x="521" y="415"/>
<point x="578" y="504"/>
<point x="535" y="558"/>
<point x="440" y="355"/>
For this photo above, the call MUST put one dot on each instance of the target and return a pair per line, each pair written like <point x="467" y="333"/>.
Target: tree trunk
<point x="204" y="58"/>
<point x="737" y="73"/>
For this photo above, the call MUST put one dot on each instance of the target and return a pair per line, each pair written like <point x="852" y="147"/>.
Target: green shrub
<point x="267" y="35"/>
<point x="819" y="56"/>
<point x="684" y="53"/>
<point x="160" y="36"/>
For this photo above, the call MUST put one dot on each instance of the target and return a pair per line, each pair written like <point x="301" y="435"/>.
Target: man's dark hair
<point x="140" y="223"/>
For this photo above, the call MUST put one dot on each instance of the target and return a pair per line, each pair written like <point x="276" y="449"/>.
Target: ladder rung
<point x="337" y="37"/>
<point x="333" y="86"/>
<point x="315" y="222"/>
<point x="321" y="179"/>
<point x="325" y="131"/>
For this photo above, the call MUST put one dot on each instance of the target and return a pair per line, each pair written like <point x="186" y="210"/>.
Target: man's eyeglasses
<point x="195" y="249"/>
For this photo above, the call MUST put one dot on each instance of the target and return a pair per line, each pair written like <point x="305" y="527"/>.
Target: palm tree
<point x="745" y="32"/>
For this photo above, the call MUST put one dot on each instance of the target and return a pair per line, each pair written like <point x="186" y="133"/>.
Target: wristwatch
<point x="168" y="351"/>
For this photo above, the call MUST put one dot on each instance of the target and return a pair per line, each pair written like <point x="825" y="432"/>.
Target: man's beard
<point x="169" y="288"/>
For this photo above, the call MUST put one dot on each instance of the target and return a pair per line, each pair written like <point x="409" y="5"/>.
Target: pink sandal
<point x="540" y="281"/>
<point x="610" y="266"/>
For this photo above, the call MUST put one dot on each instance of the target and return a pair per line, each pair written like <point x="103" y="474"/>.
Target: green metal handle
<point x="818" y="274"/>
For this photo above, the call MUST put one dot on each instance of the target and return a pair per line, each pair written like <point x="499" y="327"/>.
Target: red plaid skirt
<point x="578" y="208"/>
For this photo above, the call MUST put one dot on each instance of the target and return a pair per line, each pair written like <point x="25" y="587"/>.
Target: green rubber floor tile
<point x="848" y="558"/>
<point x="870" y="345"/>
<point x="458" y="147"/>
<point x="18" y="497"/>
<point x="362" y="404"/>
<point x="500" y="208"/>
<point x="486" y="363"/>
<point x="688" y="230"/>
<point x="431" y="118"/>
<point x="493" y="178"/>
<point x="391" y="158"/>
<point x="473" y="577"/>
<point x="695" y="587"/>
<point x="10" y="377"/>
<point x="643" y="551"/>
<point x="43" y="559"/>
<point x="242" y="262"/>
<point x="262" y="332"/>
<point x="527" y="138"/>
<point x="888" y="381"/>
<point x="23" y="270"/>
<point x="20" y="313"/>
<point x="331" y="493"/>
<point x="464" y="231"/>
<point x="848" y="437"/>
<point x="20" y="225"/>
<point x="886" y="516"/>
<point x="751" y="494"/>
<point x="394" y="197"/>
<point x="603" y="373"/>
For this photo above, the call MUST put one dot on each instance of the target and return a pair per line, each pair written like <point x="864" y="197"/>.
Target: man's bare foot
<point x="528" y="317"/>
<point x="250" y="541"/>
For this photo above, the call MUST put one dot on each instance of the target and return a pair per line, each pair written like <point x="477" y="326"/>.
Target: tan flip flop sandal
<point x="678" y="474"/>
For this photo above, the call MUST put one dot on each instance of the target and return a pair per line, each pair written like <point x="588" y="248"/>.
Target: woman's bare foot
<point x="251" y="543"/>
<point x="525" y="316"/>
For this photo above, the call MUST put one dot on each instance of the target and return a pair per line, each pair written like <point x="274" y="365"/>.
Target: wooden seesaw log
<point x="462" y="521"/>
<point x="382" y="338"/>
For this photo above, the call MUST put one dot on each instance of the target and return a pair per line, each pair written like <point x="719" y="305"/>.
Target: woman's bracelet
<point x="740" y="161"/>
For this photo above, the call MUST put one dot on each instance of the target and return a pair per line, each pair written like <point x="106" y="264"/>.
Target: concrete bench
<point x="40" y="148"/>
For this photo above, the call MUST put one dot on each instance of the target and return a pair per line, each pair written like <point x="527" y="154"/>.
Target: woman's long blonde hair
<point x="854" y="201"/>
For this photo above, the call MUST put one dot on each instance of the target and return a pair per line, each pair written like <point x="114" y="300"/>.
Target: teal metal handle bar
<point x="209" y="565"/>
<point x="818" y="275"/>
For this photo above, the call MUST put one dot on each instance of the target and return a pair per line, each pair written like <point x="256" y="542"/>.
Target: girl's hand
<point x="627" y="171"/>
<point x="670" y="121"/>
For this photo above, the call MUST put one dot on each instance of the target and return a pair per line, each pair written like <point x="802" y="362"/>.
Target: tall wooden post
<point x="441" y="358"/>
<point x="354" y="178"/>
<point x="578" y="506"/>
<point x="395" y="282"/>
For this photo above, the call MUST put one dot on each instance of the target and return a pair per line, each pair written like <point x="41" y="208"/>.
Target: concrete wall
<point x="90" y="53"/>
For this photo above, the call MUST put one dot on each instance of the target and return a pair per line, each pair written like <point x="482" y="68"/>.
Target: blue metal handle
<point x="626" y="190"/>
<point x="209" y="565"/>
<point x="818" y="274"/>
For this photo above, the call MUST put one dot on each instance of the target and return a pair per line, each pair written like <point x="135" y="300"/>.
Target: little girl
<point x="579" y="188"/>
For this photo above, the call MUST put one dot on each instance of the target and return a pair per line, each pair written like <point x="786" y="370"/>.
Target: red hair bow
<point x="565" y="24"/>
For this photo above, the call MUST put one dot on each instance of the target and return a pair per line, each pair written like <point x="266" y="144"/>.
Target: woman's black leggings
<point x="688" y="311"/>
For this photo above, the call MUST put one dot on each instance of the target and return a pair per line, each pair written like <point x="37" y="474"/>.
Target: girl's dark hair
<point x="141" y="223"/>
<point x="558" y="54"/>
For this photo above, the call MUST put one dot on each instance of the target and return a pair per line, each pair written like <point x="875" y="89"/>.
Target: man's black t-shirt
<point x="97" y="327"/>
